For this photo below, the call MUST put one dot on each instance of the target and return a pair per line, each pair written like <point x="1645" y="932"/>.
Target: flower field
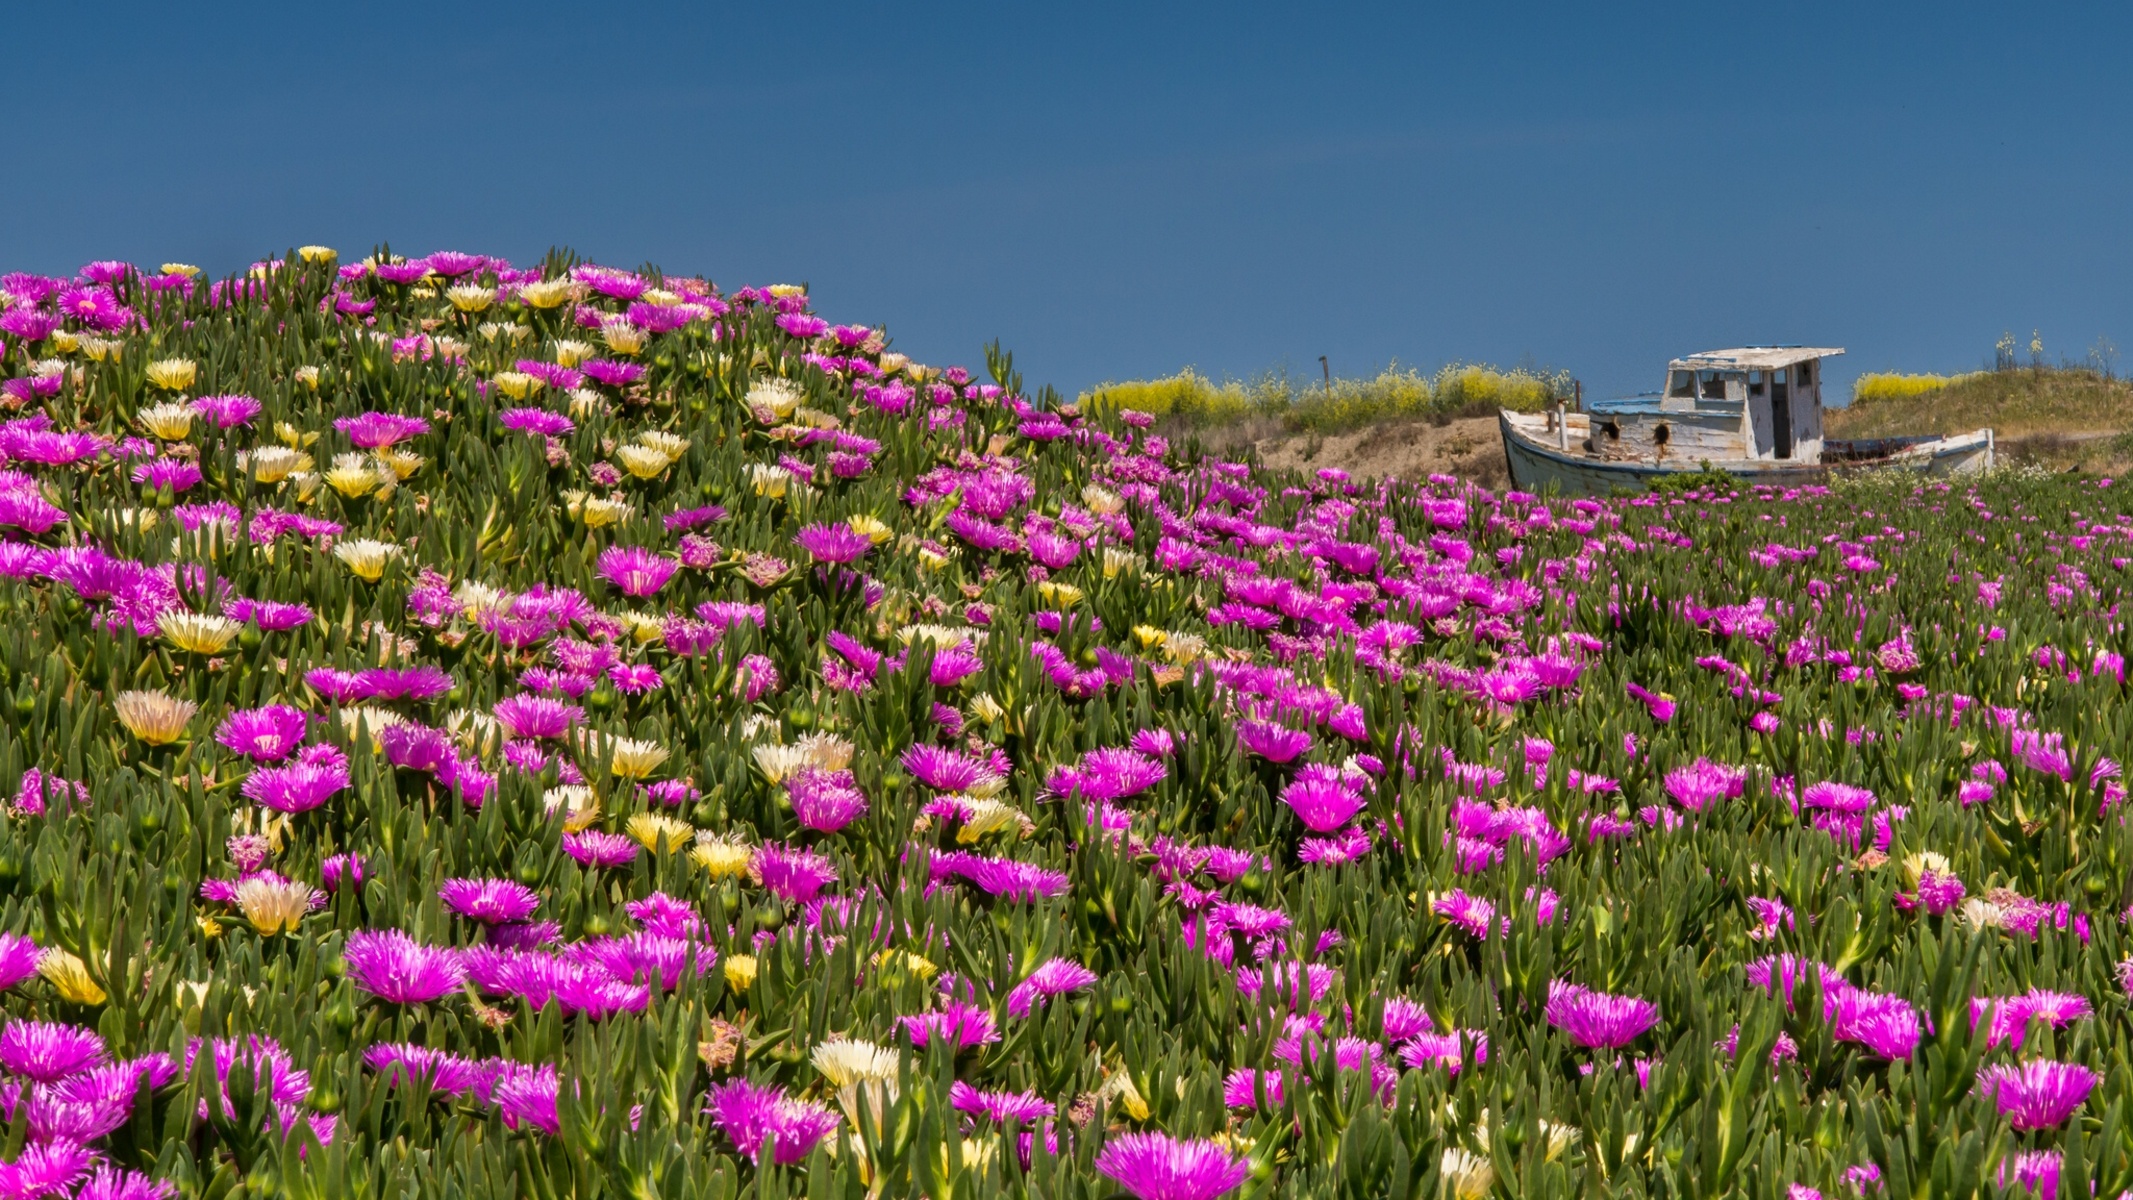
<point x="479" y="731"/>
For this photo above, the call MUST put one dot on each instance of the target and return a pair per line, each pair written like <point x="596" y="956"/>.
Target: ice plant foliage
<point x="489" y="729"/>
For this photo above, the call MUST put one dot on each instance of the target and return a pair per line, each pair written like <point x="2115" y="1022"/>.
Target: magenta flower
<point x="50" y="1168"/>
<point x="1886" y="1025"/>
<point x="1055" y="977"/>
<point x="1005" y="878"/>
<point x="825" y="801"/>
<point x="1598" y="1020"/>
<point x="962" y="1025"/>
<point x="1275" y="743"/>
<point x="1002" y="1106"/>
<point x="395" y="968"/>
<point x="833" y="542"/>
<point x="526" y="1096"/>
<point x="404" y="683"/>
<point x="105" y="1183"/>
<point x="596" y="848"/>
<point x="47" y="1051"/>
<point x="634" y="570"/>
<point x="793" y="874"/>
<point x="1695" y="786"/>
<point x="371" y="430"/>
<point x="1661" y="707"/>
<point x="267" y="734"/>
<point x="755" y="1114"/>
<point x="319" y="773"/>
<point x="227" y="412"/>
<point x="441" y="1071"/>
<point x="944" y="769"/>
<point x="489" y="901"/>
<point x="1471" y="913"/>
<point x="1157" y="1166"/>
<point x="538" y="422"/>
<point x="18" y="959"/>
<point x="1837" y="798"/>
<point x="1322" y="798"/>
<point x="526" y="716"/>
<point x="2038" y="1094"/>
<point x="177" y="474"/>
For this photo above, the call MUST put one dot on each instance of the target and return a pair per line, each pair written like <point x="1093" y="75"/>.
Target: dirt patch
<point x="1469" y="447"/>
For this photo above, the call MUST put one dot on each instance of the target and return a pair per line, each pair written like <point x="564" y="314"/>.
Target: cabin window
<point x="1714" y="386"/>
<point x="1755" y="383"/>
<point x="1778" y="376"/>
<point x="1807" y="374"/>
<point x="1682" y="385"/>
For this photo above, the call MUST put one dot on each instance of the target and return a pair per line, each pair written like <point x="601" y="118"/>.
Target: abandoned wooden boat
<point x="1754" y="412"/>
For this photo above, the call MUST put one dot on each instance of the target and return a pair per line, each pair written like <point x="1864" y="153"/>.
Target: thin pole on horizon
<point x="1328" y="373"/>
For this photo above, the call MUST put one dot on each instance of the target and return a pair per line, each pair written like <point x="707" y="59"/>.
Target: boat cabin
<point x="1753" y="403"/>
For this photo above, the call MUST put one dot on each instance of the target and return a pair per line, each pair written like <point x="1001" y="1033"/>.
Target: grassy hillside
<point x="1277" y="402"/>
<point x="2065" y="418"/>
<point x="2019" y="403"/>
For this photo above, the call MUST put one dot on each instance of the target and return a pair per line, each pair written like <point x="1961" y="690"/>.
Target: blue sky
<point x="1121" y="190"/>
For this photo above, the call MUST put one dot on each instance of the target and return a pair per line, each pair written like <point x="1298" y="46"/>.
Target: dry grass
<point x="2016" y="404"/>
<point x="1189" y="399"/>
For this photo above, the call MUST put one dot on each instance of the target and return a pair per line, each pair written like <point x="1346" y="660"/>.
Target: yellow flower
<point x="740" y="972"/>
<point x="943" y="636"/>
<point x="306" y="375"/>
<point x="569" y="352"/>
<point x="352" y="475"/>
<point x="983" y="816"/>
<point x="1149" y="636"/>
<point x="770" y="482"/>
<point x="317" y="254"/>
<point x="641" y="461"/>
<point x="932" y="560"/>
<point x="197" y="633"/>
<point x="986" y="709"/>
<point x="1060" y="595"/>
<point x="1102" y="501"/>
<point x="622" y="337"/>
<point x="173" y="374"/>
<point x="1122" y="562"/>
<point x="272" y="464"/>
<point x="669" y="444"/>
<point x="517" y="384"/>
<point x="1465" y="1175"/>
<point x="511" y="330"/>
<point x="548" y="293"/>
<point x="778" y="397"/>
<point x="1183" y="648"/>
<point x="69" y="976"/>
<point x="826" y="750"/>
<point x="783" y="290"/>
<point x="186" y="269"/>
<point x="367" y="557"/>
<point x="469" y="297"/>
<point x="400" y="462"/>
<point x="657" y="831"/>
<point x="377" y="720"/>
<point x="273" y="907"/>
<point x="599" y="512"/>
<point x="725" y="856"/>
<point x="915" y="964"/>
<point x="777" y="762"/>
<point x="580" y="808"/>
<point x="169" y="422"/>
<point x="634" y="759"/>
<point x="846" y="1061"/>
<point x="872" y="526"/>
<point x="102" y="349"/>
<point x="154" y="717"/>
<point x="892" y="362"/>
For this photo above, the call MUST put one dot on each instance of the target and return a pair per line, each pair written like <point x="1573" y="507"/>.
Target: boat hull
<point x="1536" y="465"/>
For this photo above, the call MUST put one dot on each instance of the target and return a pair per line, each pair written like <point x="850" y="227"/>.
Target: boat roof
<point x="1753" y="358"/>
